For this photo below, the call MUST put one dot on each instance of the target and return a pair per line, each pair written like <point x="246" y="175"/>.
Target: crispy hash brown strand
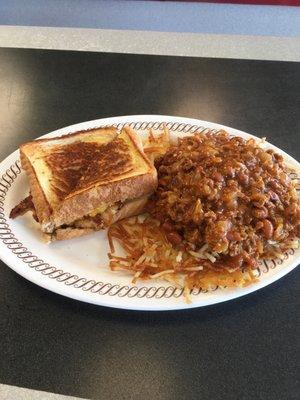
<point x="150" y="255"/>
<point x="230" y="194"/>
<point x="156" y="146"/>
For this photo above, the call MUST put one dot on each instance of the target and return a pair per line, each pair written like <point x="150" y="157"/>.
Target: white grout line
<point x="157" y="43"/>
<point x="8" y="392"/>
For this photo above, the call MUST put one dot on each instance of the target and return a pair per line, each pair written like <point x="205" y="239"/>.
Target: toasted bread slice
<point x="39" y="156"/>
<point x="85" y="173"/>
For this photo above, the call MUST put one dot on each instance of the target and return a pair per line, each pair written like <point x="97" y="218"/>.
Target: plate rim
<point x="52" y="285"/>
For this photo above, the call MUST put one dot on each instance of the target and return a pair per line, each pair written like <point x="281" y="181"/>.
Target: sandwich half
<point x="85" y="181"/>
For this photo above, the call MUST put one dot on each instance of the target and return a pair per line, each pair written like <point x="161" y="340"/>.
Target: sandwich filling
<point x="100" y="218"/>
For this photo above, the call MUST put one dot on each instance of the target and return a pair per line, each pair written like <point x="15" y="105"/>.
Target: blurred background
<point x="244" y="17"/>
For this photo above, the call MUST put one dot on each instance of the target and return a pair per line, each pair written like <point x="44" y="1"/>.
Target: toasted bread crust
<point x="129" y="209"/>
<point x="109" y="129"/>
<point x="68" y="233"/>
<point x="78" y="206"/>
<point x="41" y="205"/>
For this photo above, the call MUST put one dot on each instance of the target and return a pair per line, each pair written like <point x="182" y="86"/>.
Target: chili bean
<point x="291" y="209"/>
<point x="174" y="238"/>
<point x="260" y="212"/>
<point x="229" y="171"/>
<point x="275" y="185"/>
<point x="195" y="156"/>
<point x="259" y="225"/>
<point x="268" y="228"/>
<point x="273" y="195"/>
<point x="217" y="176"/>
<point x="259" y="199"/>
<point x="234" y="236"/>
<point x="243" y="178"/>
<point x="278" y="157"/>
<point x="168" y="227"/>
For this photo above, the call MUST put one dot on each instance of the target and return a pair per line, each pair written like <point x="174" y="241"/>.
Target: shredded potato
<point x="149" y="255"/>
<point x="157" y="145"/>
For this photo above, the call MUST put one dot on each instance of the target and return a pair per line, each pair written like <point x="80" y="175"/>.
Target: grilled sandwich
<point x="84" y="182"/>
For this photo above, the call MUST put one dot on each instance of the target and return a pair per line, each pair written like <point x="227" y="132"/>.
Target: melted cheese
<point x="98" y="210"/>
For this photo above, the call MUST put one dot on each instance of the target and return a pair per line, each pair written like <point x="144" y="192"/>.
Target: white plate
<point x="78" y="268"/>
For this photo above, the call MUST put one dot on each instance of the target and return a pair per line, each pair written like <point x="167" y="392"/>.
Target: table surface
<point x="162" y="16"/>
<point x="241" y="349"/>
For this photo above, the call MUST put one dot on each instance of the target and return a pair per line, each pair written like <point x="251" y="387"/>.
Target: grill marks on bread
<point x="81" y="164"/>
